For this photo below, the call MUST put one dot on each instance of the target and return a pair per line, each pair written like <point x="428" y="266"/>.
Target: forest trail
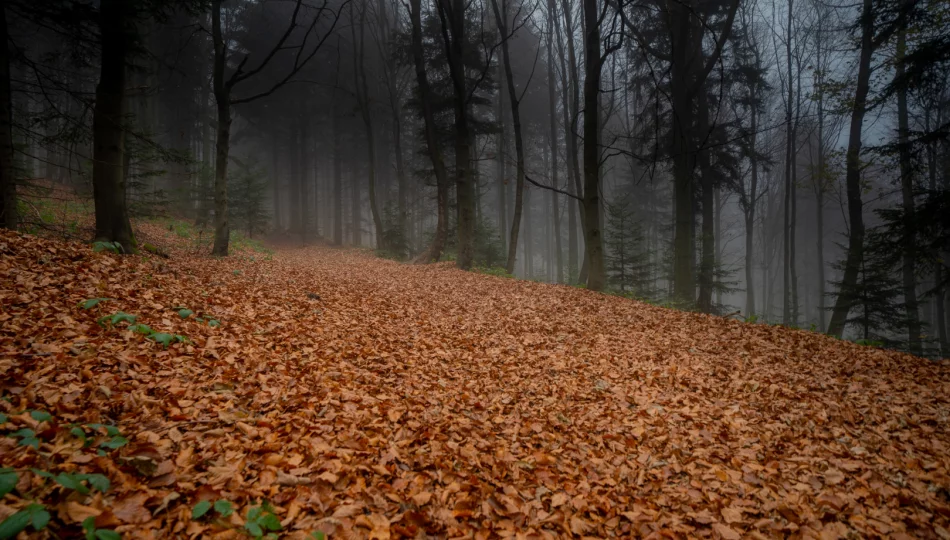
<point x="368" y="398"/>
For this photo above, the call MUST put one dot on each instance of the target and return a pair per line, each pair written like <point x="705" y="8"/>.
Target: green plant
<point x="74" y="481"/>
<point x="116" y="439"/>
<point x="34" y="515"/>
<point x="8" y="480"/>
<point x="114" y="247"/>
<point x="116" y="318"/>
<point x="27" y="438"/>
<point x="167" y="339"/>
<point x="92" y="533"/>
<point x="260" y="519"/>
<point x="498" y="271"/>
<point x="143" y="329"/>
<point x="752" y="318"/>
<point x="221" y="506"/>
<point x="92" y="302"/>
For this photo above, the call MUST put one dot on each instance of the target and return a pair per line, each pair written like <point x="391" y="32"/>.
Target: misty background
<point x="777" y="161"/>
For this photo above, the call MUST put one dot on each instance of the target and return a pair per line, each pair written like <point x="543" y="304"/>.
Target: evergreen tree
<point x="628" y="266"/>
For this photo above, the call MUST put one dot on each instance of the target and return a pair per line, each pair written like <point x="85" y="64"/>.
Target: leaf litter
<point x="363" y="398"/>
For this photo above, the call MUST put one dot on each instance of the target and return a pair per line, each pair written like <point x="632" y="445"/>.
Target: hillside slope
<point x="366" y="398"/>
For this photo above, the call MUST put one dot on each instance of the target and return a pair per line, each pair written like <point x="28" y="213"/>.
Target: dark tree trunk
<point x="108" y="178"/>
<point x="362" y="98"/>
<point x="552" y="117"/>
<point x="684" y="282"/>
<point x="8" y="203"/>
<point x="452" y="15"/>
<point x="855" y="256"/>
<point x="222" y="97"/>
<point x="434" y="251"/>
<point x="513" y="98"/>
<point x="909" y="240"/>
<point x="597" y="277"/>
<point x="337" y="177"/>
<point x="708" y="256"/>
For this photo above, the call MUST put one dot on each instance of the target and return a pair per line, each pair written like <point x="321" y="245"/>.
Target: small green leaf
<point x="89" y="525"/>
<point x="271" y="522"/>
<point x="97" y="481"/>
<point x="39" y="517"/>
<point x="80" y="434"/>
<point x="115" y="442"/>
<point x="27" y="437"/>
<point x="163" y="338"/>
<point x="70" y="481"/>
<point x="251" y="526"/>
<point x="223" y="507"/>
<point x="143" y="329"/>
<point x="214" y="323"/>
<point x="318" y="535"/>
<point x="107" y="534"/>
<point x="185" y="313"/>
<point x="41" y="416"/>
<point x="92" y="302"/>
<point x="14" y="524"/>
<point x="8" y="480"/>
<point x="3" y="418"/>
<point x="254" y="513"/>
<point x="200" y="509"/>
<point x="42" y="474"/>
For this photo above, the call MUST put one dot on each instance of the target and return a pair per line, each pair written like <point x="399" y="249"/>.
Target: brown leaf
<point x="131" y="509"/>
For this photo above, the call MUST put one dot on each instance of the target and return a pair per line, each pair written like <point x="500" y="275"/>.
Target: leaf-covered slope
<point x="365" y="398"/>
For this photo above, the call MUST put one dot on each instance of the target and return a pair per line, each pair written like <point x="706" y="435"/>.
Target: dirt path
<point x="369" y="398"/>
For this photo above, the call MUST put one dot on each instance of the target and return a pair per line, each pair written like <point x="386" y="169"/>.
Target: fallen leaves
<point x="414" y="401"/>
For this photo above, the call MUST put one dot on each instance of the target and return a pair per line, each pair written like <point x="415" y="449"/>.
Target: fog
<point x="778" y="162"/>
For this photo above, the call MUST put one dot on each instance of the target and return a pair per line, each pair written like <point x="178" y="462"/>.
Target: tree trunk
<point x="304" y="171"/>
<point x="500" y="149"/>
<point x="8" y="202"/>
<point x="337" y="176"/>
<point x="597" y="277"/>
<point x="275" y="179"/>
<point x="750" y="209"/>
<point x="222" y="97"/>
<point x="501" y="21"/>
<point x="684" y="283"/>
<point x="552" y="117"/>
<point x="362" y="98"/>
<point x="909" y="240"/>
<point x="855" y="256"/>
<point x="708" y="256"/>
<point x="434" y="251"/>
<point x="452" y="15"/>
<point x="108" y="179"/>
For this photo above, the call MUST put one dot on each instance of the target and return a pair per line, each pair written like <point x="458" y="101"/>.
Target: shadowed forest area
<point x="450" y="269"/>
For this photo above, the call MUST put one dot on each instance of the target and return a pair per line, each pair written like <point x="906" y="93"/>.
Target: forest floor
<point x="361" y="397"/>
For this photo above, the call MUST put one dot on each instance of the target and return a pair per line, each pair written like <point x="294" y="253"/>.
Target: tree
<point x="8" y="200"/>
<point x="108" y="169"/>
<point x="871" y="40"/>
<point x="593" y="63"/>
<point x="452" y="17"/>
<point x="434" y="251"/>
<point x="514" y="99"/>
<point x="223" y="88"/>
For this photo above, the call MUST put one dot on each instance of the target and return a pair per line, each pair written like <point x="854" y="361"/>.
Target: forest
<point x="474" y="268"/>
<point x="781" y="162"/>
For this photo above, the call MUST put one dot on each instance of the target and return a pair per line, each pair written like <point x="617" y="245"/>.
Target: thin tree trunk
<point x="501" y="148"/>
<point x="513" y="99"/>
<point x="855" y="256"/>
<point x="362" y="98"/>
<point x="109" y="181"/>
<point x="708" y="256"/>
<point x="434" y="251"/>
<point x="597" y="277"/>
<point x="552" y="117"/>
<point x="304" y="176"/>
<point x="8" y="202"/>
<point x="909" y="240"/>
<point x="452" y="15"/>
